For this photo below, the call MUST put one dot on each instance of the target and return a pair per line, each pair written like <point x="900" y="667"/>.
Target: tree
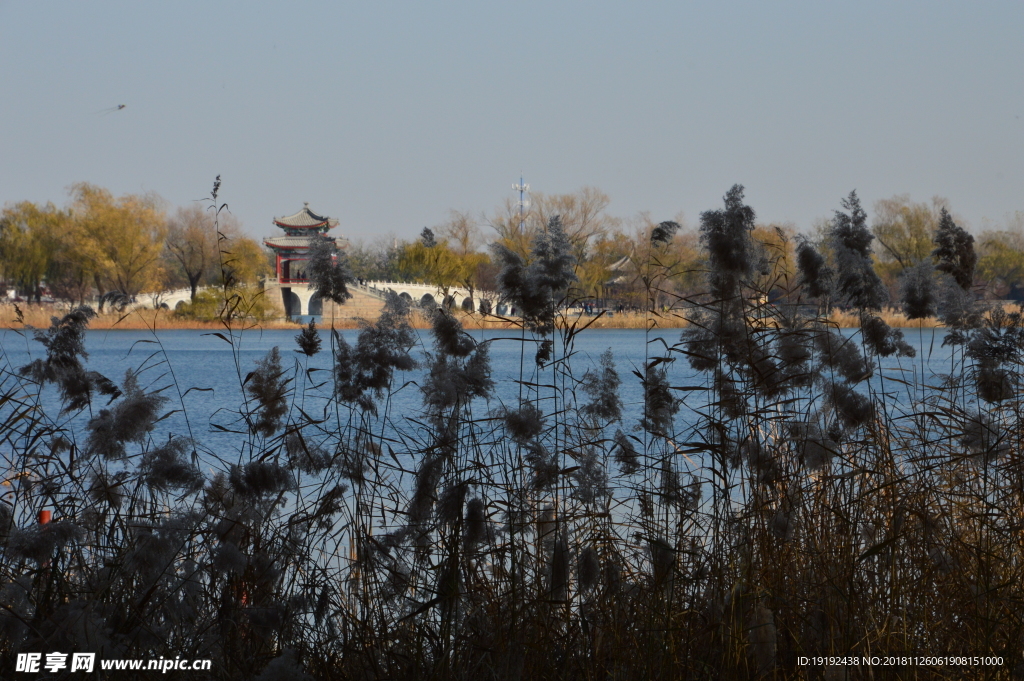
<point x="435" y="264"/>
<point x="596" y="273"/>
<point x="662" y="261"/>
<point x="462" y="236"/>
<point x="905" y="232"/>
<point x="75" y="264"/>
<point x="129" y="235"/>
<point x="449" y="261"/>
<point x="779" y="253"/>
<point x="30" y="236"/>
<point x="427" y="238"/>
<point x="581" y="213"/>
<point x="1001" y="257"/>
<point x="515" y="226"/>
<point x="954" y="249"/>
<point x="242" y="260"/>
<point x="208" y="245"/>
<point x="328" y="270"/>
<point x="192" y="244"/>
<point x="244" y="302"/>
<point x="584" y="224"/>
<point x="850" y="240"/>
<point x="378" y="260"/>
<point x="460" y="233"/>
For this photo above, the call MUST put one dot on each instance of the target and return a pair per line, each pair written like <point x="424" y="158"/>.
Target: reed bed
<point x="802" y="507"/>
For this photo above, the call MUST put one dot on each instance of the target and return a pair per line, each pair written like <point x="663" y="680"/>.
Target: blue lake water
<point x="202" y="374"/>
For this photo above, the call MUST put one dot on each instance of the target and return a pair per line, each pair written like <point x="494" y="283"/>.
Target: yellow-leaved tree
<point x="30" y="238"/>
<point x="126" y="235"/>
<point x="1001" y="257"/>
<point x="905" y="232"/>
<point x="447" y="262"/>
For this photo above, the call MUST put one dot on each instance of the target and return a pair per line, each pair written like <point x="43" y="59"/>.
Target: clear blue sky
<point x="388" y="114"/>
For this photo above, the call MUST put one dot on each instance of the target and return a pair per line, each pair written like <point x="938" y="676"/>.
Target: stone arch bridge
<point x="428" y="294"/>
<point x="298" y="299"/>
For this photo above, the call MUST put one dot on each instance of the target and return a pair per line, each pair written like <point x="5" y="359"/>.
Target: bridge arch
<point x="292" y="302"/>
<point x="316" y="306"/>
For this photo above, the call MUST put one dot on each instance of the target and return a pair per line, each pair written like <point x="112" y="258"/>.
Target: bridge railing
<point x="378" y="288"/>
<point x="432" y="289"/>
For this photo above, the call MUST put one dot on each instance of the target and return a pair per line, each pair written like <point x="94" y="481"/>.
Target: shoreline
<point x="38" y="316"/>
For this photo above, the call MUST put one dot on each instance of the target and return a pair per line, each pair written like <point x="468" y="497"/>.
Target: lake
<point x="208" y="372"/>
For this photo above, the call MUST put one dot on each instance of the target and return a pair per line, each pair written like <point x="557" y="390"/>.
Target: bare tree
<point x="461" y="232"/>
<point x="581" y="213"/>
<point x="193" y="244"/>
<point x="515" y="227"/>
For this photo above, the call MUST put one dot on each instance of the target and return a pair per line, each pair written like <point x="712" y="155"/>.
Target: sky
<point x="388" y="115"/>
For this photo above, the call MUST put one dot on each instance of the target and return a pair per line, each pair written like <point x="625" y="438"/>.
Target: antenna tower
<point x="524" y="202"/>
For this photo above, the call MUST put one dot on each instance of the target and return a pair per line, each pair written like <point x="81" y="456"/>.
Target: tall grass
<point x="775" y="499"/>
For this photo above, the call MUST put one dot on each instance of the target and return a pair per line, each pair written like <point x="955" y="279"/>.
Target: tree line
<point x="132" y="244"/>
<point x="99" y="244"/>
<point x="622" y="260"/>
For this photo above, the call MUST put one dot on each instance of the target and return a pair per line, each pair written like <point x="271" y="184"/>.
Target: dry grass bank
<point x="894" y="318"/>
<point x="39" y="317"/>
<point x="619" y="320"/>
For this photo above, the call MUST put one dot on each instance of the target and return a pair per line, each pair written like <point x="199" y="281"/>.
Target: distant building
<point x="292" y="249"/>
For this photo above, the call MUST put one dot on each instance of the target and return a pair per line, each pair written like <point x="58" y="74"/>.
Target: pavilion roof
<point x="306" y="218"/>
<point x="287" y="241"/>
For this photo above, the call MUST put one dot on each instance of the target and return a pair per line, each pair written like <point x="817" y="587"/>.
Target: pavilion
<point x="292" y="249"/>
